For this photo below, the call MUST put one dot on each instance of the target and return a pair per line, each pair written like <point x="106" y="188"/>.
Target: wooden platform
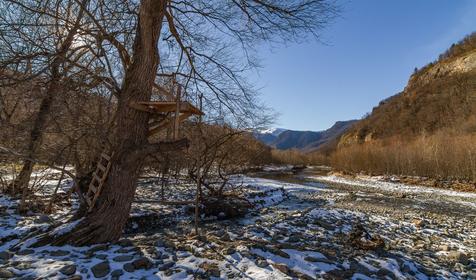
<point x="161" y="107"/>
<point x="166" y="113"/>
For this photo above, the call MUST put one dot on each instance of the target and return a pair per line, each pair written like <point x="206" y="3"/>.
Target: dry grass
<point x="441" y="155"/>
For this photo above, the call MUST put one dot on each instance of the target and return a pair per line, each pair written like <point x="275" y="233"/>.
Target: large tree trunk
<point x="107" y="220"/>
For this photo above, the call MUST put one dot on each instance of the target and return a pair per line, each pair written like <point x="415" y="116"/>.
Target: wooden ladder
<point x="97" y="182"/>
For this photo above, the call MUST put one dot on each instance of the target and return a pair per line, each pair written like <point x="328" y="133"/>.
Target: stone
<point x="25" y="252"/>
<point x="27" y="277"/>
<point x="278" y="252"/>
<point x="324" y="224"/>
<point x="383" y="273"/>
<point x="101" y="256"/>
<point x="211" y="269"/>
<point x="166" y="266"/>
<point x="101" y="269"/>
<point x="128" y="267"/>
<point x="142" y="263"/>
<point x="418" y="222"/>
<point x="117" y="273"/>
<point x="444" y="247"/>
<point x="458" y="256"/>
<point x="219" y="232"/>
<point x="43" y="219"/>
<point x="294" y="239"/>
<point x="313" y="259"/>
<point x="23" y="265"/>
<point x="225" y="237"/>
<point x="59" y="253"/>
<point x="169" y="244"/>
<point x="4" y="273"/>
<point x="68" y="269"/>
<point x="283" y="268"/>
<point x="5" y="255"/>
<point x="261" y="263"/>
<point x="100" y="247"/>
<point x="125" y="243"/>
<point x="228" y="251"/>
<point x="75" y="277"/>
<point x="123" y="258"/>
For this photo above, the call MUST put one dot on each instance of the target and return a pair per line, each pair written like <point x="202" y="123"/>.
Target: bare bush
<point x="442" y="155"/>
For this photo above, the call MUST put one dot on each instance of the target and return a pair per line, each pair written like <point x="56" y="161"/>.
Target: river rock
<point x="101" y="256"/>
<point x="123" y="258"/>
<point x="43" y="219"/>
<point x="101" y="269"/>
<point x="261" y="263"/>
<point x="166" y="266"/>
<point x="125" y="243"/>
<point x="283" y="268"/>
<point x="25" y="252"/>
<point x="228" y="251"/>
<point x="142" y="263"/>
<point x="211" y="269"/>
<point x="59" y="253"/>
<point x="5" y="255"/>
<point x="68" y="269"/>
<point x="418" y="222"/>
<point x="444" y="247"/>
<point x="457" y="256"/>
<point x="128" y="267"/>
<point x="117" y="273"/>
<point x="4" y="273"/>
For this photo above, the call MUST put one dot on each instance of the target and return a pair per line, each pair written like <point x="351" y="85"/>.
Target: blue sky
<point x="369" y="53"/>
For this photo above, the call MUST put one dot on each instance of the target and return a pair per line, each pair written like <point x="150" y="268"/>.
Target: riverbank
<point x="304" y="225"/>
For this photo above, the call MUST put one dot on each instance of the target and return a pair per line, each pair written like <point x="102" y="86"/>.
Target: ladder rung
<point x="106" y="157"/>
<point x="93" y="188"/>
<point x="88" y="200"/>
<point x="101" y="167"/>
<point x="99" y="179"/>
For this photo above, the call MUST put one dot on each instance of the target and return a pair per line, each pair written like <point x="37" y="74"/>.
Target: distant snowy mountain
<point x="284" y="139"/>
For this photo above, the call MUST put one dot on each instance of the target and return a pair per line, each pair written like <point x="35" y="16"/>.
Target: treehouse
<point x="164" y="114"/>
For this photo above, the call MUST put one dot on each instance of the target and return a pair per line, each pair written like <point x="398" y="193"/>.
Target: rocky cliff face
<point x="454" y="66"/>
<point x="303" y="140"/>
<point x="441" y="95"/>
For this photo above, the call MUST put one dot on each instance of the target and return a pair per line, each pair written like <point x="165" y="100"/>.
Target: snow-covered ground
<point x="302" y="227"/>
<point x="378" y="183"/>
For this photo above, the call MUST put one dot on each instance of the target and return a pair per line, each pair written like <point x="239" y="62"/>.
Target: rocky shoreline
<point x="305" y="227"/>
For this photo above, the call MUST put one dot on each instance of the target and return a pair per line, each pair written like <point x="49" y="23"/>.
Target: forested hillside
<point x="428" y="129"/>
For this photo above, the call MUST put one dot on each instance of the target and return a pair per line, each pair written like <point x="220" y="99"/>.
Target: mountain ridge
<point x="305" y="140"/>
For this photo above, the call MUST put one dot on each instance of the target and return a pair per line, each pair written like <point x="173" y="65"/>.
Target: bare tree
<point x="59" y="24"/>
<point x="207" y="45"/>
